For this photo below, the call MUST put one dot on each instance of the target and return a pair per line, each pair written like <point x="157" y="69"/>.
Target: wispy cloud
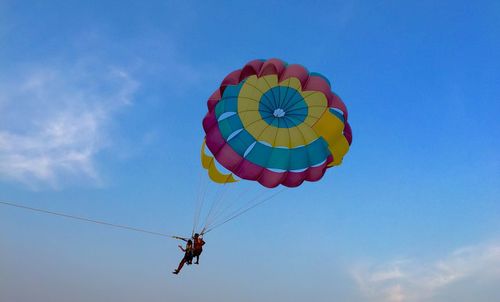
<point x="54" y="120"/>
<point x="412" y="280"/>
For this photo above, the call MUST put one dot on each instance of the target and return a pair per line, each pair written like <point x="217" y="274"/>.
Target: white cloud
<point x="54" y="120"/>
<point x="441" y="280"/>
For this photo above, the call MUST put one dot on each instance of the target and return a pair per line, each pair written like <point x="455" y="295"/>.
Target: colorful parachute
<point x="276" y="124"/>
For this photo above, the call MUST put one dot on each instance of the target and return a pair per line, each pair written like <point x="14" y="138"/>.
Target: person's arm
<point x="180" y="246"/>
<point x="180" y="238"/>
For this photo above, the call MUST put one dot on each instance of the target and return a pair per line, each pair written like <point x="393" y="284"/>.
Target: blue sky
<point x="100" y="116"/>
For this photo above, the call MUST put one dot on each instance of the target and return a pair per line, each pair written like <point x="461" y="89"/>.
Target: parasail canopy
<point x="274" y="123"/>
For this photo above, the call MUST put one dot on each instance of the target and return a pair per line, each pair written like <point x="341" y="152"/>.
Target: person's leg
<point x="181" y="264"/>
<point x="197" y="255"/>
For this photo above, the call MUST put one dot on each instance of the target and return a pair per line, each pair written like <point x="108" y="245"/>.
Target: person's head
<point x="196" y="235"/>
<point x="190" y="242"/>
